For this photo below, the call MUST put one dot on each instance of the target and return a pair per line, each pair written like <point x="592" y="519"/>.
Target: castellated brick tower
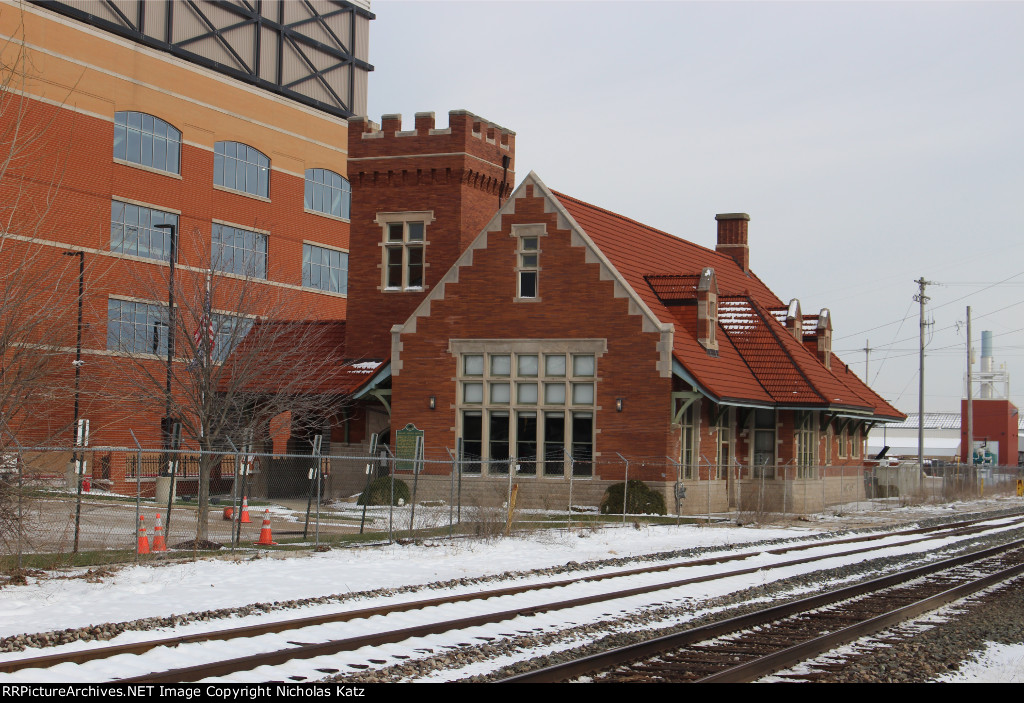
<point x="419" y="198"/>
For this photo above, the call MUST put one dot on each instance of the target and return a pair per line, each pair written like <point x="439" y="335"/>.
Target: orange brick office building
<point x="151" y="133"/>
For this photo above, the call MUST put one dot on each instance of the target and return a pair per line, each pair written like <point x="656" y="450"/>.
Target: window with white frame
<point x="148" y="141"/>
<point x="404" y="250"/>
<point x="324" y="268"/>
<point x="136" y="327"/>
<point x="240" y="167"/>
<point x="239" y="251"/>
<point x="530" y="404"/>
<point x="688" y="439"/>
<point x="843" y="442"/>
<point x="328" y="192"/>
<point x="805" y="439"/>
<point x="528" y="238"/>
<point x="134" y="230"/>
<point x="855" y="444"/>
<point x="723" y="443"/>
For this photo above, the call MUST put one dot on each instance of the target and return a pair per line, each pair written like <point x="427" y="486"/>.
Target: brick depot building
<point x="565" y="340"/>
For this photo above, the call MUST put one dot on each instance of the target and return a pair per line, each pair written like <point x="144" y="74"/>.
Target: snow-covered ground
<point x="58" y="601"/>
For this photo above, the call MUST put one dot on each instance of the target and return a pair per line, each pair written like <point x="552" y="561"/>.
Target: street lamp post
<point x="78" y="373"/>
<point x="166" y="424"/>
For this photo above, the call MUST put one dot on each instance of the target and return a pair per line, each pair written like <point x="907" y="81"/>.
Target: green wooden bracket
<point x="686" y="398"/>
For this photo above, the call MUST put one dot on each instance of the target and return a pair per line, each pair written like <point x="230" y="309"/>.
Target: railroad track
<point x="304" y="628"/>
<point x="749" y="647"/>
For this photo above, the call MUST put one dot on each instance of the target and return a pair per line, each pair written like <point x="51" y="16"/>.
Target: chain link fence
<point x="83" y="505"/>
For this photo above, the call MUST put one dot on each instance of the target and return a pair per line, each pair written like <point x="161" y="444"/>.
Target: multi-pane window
<point x="239" y="251"/>
<point x="403" y="255"/>
<point x="323" y="268"/>
<point x="528" y="267"/>
<point x="133" y="230"/>
<point x="240" y="167"/>
<point x="328" y="192"/>
<point x="855" y="444"/>
<point x="527" y="407"/>
<point x="764" y="443"/>
<point x="143" y="139"/>
<point x="805" y="439"/>
<point x="844" y="438"/>
<point x="687" y="439"/>
<point x="136" y="327"/>
<point x="724" y="453"/>
<point x="228" y="332"/>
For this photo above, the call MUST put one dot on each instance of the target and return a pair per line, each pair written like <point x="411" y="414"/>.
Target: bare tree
<point x="244" y="350"/>
<point x="37" y="286"/>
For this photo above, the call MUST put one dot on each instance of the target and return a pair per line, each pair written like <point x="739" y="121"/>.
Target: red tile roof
<point x="296" y="357"/>
<point x="758" y="360"/>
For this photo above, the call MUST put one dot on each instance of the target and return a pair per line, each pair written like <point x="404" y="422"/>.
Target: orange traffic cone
<point x="245" y="510"/>
<point x="265" y="537"/>
<point x="158" y="537"/>
<point x="143" y="544"/>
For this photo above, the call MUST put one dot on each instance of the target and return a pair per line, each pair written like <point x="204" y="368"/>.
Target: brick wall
<point x="575" y="303"/>
<point x="456" y="174"/>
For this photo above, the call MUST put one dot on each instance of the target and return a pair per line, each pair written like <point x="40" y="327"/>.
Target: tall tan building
<point x="207" y="134"/>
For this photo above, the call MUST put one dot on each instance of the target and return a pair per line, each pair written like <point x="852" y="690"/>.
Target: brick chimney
<point x="732" y="237"/>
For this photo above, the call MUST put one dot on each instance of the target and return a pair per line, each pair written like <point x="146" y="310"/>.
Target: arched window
<point x="328" y="192"/>
<point x="240" y="167"/>
<point x="146" y="140"/>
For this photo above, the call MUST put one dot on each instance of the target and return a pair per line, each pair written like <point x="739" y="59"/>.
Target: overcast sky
<point x="871" y="144"/>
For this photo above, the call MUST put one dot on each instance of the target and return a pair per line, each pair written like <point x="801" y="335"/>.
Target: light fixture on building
<point x="618" y="405"/>
<point x="433" y="402"/>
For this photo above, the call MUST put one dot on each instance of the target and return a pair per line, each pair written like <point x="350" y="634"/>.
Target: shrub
<point x="379" y="492"/>
<point x="641" y="500"/>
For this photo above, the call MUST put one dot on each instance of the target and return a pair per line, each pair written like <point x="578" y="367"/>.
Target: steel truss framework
<point x="290" y="48"/>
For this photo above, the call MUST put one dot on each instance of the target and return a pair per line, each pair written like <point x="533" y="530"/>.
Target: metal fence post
<point x="572" y="473"/>
<point x="625" y="487"/>
<point x="138" y="486"/>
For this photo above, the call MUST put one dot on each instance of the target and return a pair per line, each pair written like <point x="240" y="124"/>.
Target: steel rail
<point x="621" y="655"/>
<point x="953" y="529"/>
<point x="766" y="665"/>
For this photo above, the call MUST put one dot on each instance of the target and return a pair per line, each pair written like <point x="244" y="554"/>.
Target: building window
<point x="724" y="447"/>
<point x="522" y="407"/>
<point x="843" y="442"/>
<point x="805" y="440"/>
<point x="239" y="251"/>
<point x="133" y="230"/>
<point x="147" y="140"/>
<point x="328" y="192"/>
<point x="855" y="444"/>
<point x="529" y="267"/>
<point x="240" y="167"/>
<point x="135" y="327"/>
<point x="764" y="443"/>
<point x="528" y="260"/>
<point x="228" y="332"/>
<point x="687" y="439"/>
<point x="323" y="268"/>
<point x="404" y="244"/>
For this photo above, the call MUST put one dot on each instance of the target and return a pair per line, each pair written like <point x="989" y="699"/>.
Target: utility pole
<point x="867" y="361"/>
<point x="969" y="450"/>
<point x="921" y="298"/>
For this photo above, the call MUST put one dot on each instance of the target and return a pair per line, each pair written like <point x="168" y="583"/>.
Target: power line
<point x="980" y="290"/>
